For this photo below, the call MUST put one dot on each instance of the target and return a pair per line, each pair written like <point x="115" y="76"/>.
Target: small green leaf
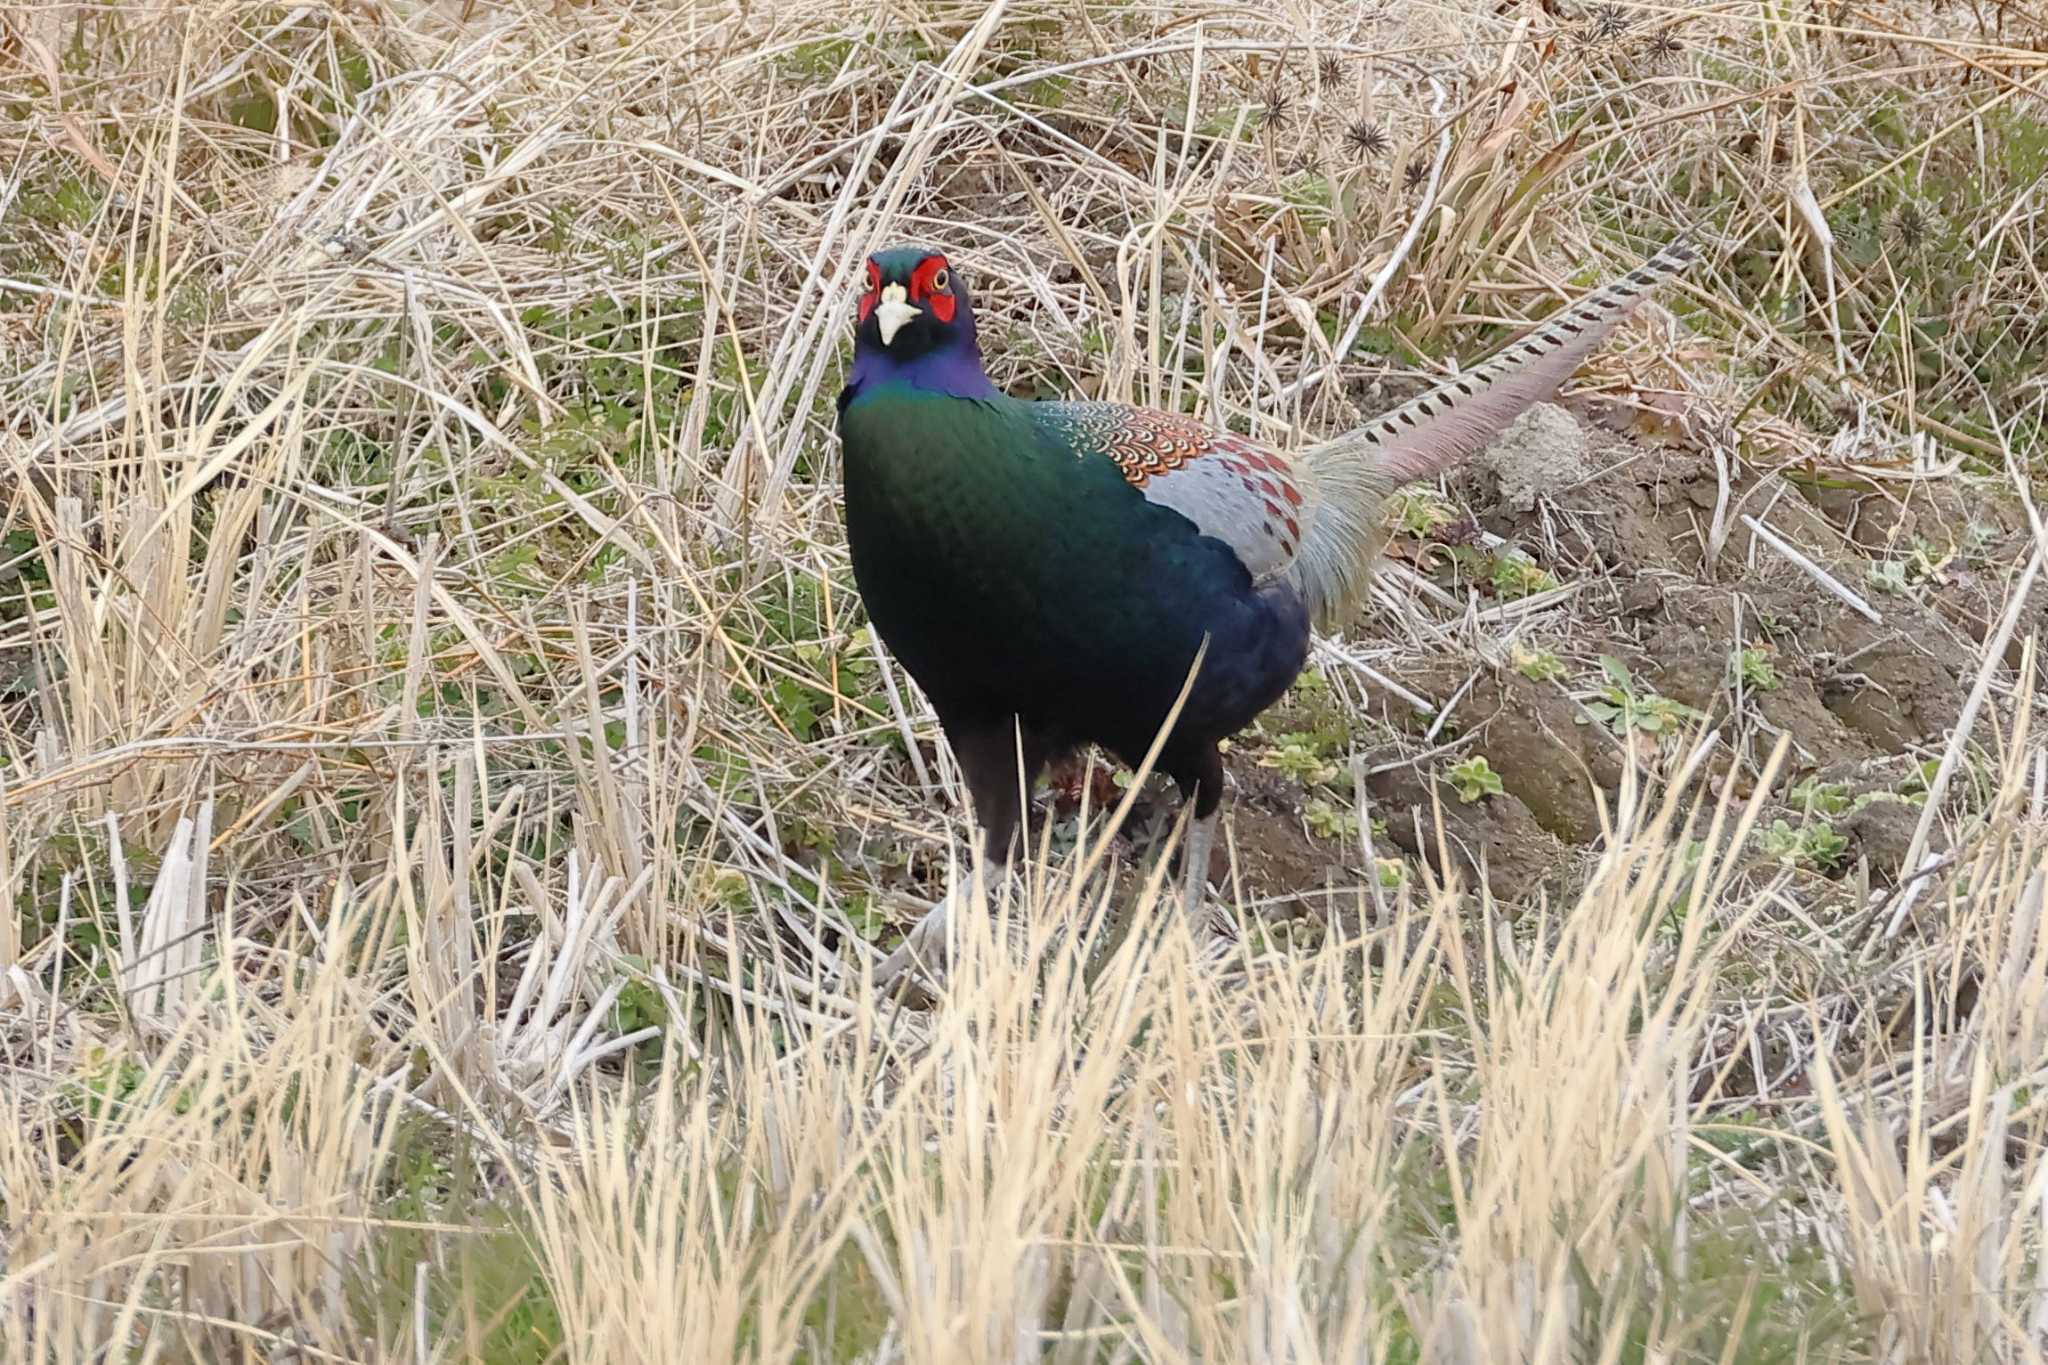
<point x="1475" y="779"/>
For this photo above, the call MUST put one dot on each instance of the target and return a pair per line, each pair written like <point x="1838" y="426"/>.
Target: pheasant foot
<point x="913" y="973"/>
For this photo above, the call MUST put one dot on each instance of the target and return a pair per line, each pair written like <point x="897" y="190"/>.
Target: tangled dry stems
<point x="450" y="792"/>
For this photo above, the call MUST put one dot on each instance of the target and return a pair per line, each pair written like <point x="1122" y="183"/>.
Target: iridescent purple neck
<point x="953" y="370"/>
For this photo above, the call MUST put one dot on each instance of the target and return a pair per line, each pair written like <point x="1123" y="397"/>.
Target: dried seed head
<point x="1417" y="174"/>
<point x="1330" y="71"/>
<point x="1606" y="23"/>
<point x="1910" y="226"/>
<point x="1663" y="47"/>
<point x="1367" y="138"/>
<point x="1279" y="108"/>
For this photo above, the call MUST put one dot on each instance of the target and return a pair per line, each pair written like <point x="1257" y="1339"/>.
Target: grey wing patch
<point x="1245" y="508"/>
<point x="1253" y="499"/>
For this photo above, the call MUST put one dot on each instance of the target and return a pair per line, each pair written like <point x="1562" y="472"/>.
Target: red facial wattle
<point x="867" y="300"/>
<point x="931" y="285"/>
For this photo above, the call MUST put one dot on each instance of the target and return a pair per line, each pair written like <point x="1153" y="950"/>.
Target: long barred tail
<point x="1354" y="473"/>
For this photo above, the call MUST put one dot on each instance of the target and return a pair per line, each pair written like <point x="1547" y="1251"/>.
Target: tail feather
<point x="1354" y="473"/>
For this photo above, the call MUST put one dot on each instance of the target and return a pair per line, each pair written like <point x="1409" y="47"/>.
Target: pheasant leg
<point x="1194" y="857"/>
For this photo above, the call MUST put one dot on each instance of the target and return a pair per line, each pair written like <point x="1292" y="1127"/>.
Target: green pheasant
<point x="1049" y="572"/>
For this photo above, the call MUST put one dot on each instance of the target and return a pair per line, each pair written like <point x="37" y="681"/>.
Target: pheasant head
<point x="916" y="322"/>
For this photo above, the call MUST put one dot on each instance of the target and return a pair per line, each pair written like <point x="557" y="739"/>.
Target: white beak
<point x="892" y="312"/>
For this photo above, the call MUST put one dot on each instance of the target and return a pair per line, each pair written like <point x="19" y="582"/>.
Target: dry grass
<point x="451" y="798"/>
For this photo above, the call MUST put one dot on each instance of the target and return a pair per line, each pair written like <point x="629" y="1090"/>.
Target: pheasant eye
<point x="941" y="279"/>
<point x="868" y="300"/>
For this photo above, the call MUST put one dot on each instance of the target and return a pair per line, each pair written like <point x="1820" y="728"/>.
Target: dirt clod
<point x="1882" y="833"/>
<point x="1543" y="451"/>
<point x="1546" y="757"/>
<point x="1498" y="833"/>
